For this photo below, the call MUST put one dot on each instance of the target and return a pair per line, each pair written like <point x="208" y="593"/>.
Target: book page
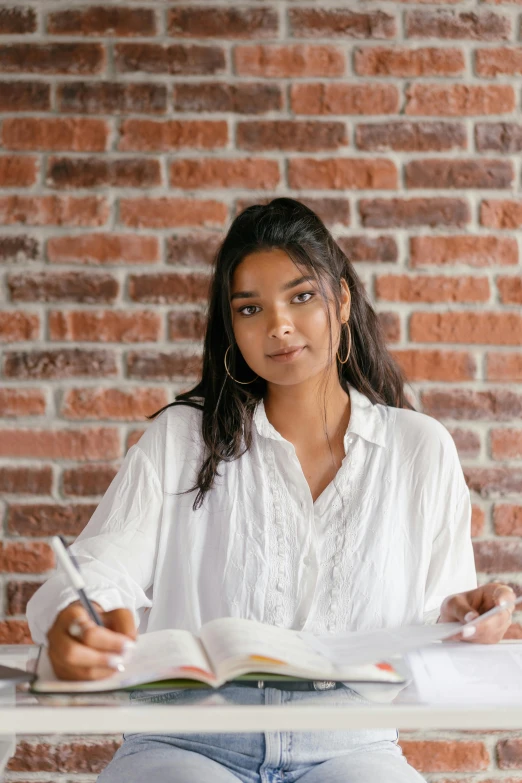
<point x="158" y="655"/>
<point x="236" y="646"/>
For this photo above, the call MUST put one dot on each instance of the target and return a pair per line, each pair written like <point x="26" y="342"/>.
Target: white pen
<point x="489" y="613"/>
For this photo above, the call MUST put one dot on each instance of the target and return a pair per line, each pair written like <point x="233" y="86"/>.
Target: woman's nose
<point x="280" y="326"/>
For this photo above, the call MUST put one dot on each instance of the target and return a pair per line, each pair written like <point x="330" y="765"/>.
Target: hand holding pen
<point x="485" y="612"/>
<point x="86" y="643"/>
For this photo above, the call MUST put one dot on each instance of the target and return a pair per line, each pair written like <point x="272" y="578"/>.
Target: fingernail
<point x="469" y="631"/>
<point x="128" y="645"/>
<point x="116" y="662"/>
<point x="470" y="616"/>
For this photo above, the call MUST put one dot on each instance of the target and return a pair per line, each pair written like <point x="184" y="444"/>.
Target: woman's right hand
<point x="96" y="653"/>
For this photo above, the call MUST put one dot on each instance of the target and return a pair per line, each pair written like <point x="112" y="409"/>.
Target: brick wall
<point x="131" y="133"/>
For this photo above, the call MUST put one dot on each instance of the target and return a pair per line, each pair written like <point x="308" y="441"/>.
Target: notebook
<point x="231" y="648"/>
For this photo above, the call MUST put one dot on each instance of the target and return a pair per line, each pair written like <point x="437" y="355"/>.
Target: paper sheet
<point x="459" y="673"/>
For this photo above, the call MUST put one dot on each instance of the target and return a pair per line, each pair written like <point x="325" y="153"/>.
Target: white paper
<point x="460" y="673"/>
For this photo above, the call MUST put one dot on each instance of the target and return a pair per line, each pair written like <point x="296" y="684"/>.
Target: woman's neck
<point x="298" y="412"/>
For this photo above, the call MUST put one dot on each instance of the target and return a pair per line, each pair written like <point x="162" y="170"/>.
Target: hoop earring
<point x="349" y="349"/>
<point x="243" y="383"/>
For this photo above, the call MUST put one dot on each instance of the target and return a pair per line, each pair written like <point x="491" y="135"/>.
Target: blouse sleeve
<point x="452" y="564"/>
<point x="116" y="551"/>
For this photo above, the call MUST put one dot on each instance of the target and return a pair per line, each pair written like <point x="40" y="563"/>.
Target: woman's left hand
<point x="463" y="607"/>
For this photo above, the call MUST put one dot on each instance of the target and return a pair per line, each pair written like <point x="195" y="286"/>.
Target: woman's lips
<point x="287" y="357"/>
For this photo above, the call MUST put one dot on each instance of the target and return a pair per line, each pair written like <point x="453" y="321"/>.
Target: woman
<point x="294" y="485"/>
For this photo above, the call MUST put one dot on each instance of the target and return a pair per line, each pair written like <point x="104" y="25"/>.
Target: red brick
<point x="174" y="59"/>
<point x="504" y="367"/>
<point x="22" y="402"/>
<point x="18" y="594"/>
<point x="193" y="249"/>
<point x="402" y="62"/>
<point x="426" y="365"/>
<point x="54" y="210"/>
<point x="15" y="632"/>
<point x="411" y="136"/>
<point x="16" y="249"/>
<point x="498" y="137"/>
<point x="16" y="326"/>
<point x="509" y="754"/>
<point x="507" y="519"/>
<point x="380" y="249"/>
<point x="114" y="404"/>
<point x="104" y="326"/>
<point x="88" y="287"/>
<point x="186" y="325"/>
<point x="446" y="755"/>
<point x="442" y="23"/>
<point x="397" y="212"/>
<point x="166" y="212"/>
<point x="467" y="327"/>
<point x="289" y="61"/>
<point x="510" y="289"/>
<point x="100" y="20"/>
<point x="475" y="251"/>
<point x="336" y="23"/>
<point x="453" y="173"/>
<point x="459" y="100"/>
<point x="391" y="325"/>
<point x="259" y="173"/>
<point x="492" y="481"/>
<point x="402" y="288"/>
<point x="169" y="288"/>
<point x="342" y="173"/>
<point x="477" y="521"/>
<point x="493" y="405"/>
<point x="17" y="171"/>
<point x="87" y="444"/>
<point x="81" y="756"/>
<point x="100" y="172"/>
<point x="106" y="249"/>
<point x="48" y="519"/>
<point x="501" y="213"/>
<point x="87" y="480"/>
<point x="499" y="60"/>
<point x="25" y="96"/>
<point x="156" y="366"/>
<point x="342" y="98"/>
<point x="26" y="480"/>
<point x="58" y="364"/>
<point x="498" y="556"/>
<point x="17" y="21"/>
<point x="73" y="59"/>
<point x="223" y="22"/>
<point x="331" y="210"/>
<point x="506" y="444"/>
<point x="133" y="437"/>
<point x="466" y="441"/>
<point x="241" y="98"/>
<point x="76" y="134"/>
<point x="111" y="98"/>
<point x="291" y="135"/>
<point x="30" y="557"/>
<point x="162" y="136"/>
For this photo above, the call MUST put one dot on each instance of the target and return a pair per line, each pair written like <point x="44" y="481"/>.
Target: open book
<point x="229" y="647"/>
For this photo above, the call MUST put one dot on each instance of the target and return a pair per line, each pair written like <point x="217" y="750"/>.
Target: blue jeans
<point x="361" y="756"/>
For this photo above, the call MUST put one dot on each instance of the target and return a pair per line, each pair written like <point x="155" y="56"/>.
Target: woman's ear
<point x="346" y="301"/>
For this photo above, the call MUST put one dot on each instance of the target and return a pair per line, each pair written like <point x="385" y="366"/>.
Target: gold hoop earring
<point x="349" y="349"/>
<point x="243" y="383"/>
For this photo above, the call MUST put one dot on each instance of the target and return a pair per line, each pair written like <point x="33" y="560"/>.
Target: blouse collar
<point x="366" y="420"/>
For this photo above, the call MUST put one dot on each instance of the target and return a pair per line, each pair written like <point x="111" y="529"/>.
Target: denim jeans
<point x="355" y="756"/>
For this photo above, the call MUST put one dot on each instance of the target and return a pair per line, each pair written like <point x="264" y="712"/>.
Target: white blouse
<point x="384" y="544"/>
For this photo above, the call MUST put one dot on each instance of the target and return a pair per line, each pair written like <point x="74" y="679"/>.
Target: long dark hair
<point x="227" y="406"/>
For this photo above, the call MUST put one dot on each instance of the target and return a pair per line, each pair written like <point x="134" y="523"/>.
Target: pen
<point x="491" y="612"/>
<point x="72" y="570"/>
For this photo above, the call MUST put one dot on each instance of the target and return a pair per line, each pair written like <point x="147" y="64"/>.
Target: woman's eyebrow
<point x="286" y="287"/>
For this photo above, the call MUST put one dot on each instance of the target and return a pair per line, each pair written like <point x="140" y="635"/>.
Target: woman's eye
<point x="243" y="310"/>
<point x="305" y="293"/>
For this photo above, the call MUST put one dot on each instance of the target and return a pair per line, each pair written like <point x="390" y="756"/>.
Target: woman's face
<point x="280" y="319"/>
